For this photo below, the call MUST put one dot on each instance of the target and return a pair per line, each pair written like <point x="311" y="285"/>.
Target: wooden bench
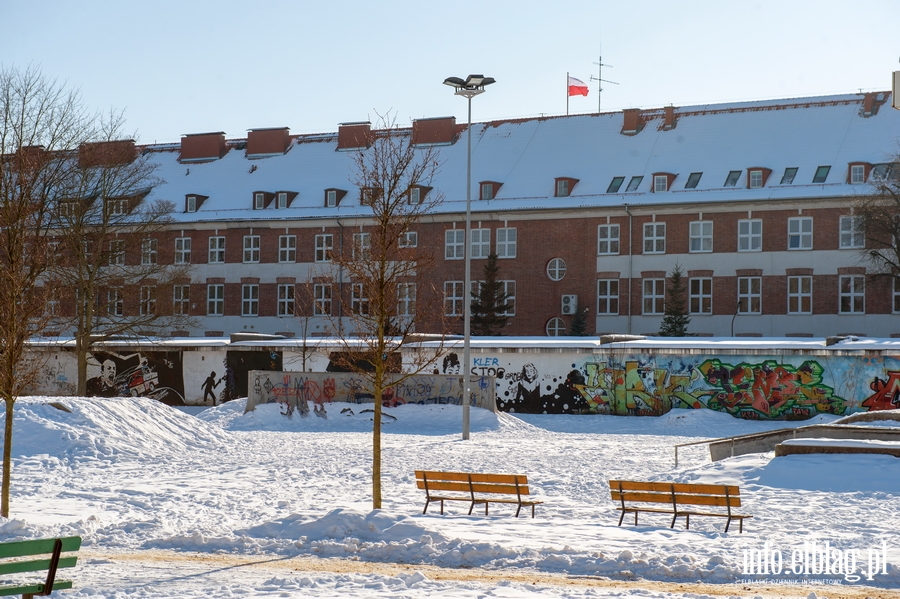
<point x="41" y="555"/>
<point x="476" y="488"/>
<point x="679" y="497"/>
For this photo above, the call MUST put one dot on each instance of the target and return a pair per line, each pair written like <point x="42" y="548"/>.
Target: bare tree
<point x="108" y="234"/>
<point x="384" y="267"/>
<point x="41" y="126"/>
<point x="875" y="224"/>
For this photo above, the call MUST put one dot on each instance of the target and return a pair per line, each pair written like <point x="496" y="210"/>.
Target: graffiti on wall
<point x="149" y="374"/>
<point x="886" y="393"/>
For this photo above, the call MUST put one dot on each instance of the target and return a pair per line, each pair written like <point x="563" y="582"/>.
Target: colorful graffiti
<point x="886" y="394"/>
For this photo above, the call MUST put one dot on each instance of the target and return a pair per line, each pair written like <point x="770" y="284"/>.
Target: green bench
<point x="42" y="556"/>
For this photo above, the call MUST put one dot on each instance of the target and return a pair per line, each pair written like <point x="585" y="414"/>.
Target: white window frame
<point x="362" y="246"/>
<point x="852" y="236"/>
<point x="607" y="240"/>
<point x="250" y="299"/>
<point x="286" y="302"/>
<point x="655" y="238"/>
<point x="556" y="269"/>
<point x="701" y="236"/>
<point x="852" y="294"/>
<point x="330" y="198"/>
<point x="608" y="297"/>
<point x="700" y="295"/>
<point x="509" y="288"/>
<point x="756" y="179"/>
<point x="749" y="295"/>
<point x="216" y="250"/>
<point x="324" y="244"/>
<point x="750" y="235"/>
<point x="562" y="188"/>
<point x="287" y="249"/>
<point x="182" y="250"/>
<point x="359" y="303"/>
<point x="115" y="302"/>
<point x="453" y="298"/>
<point x="191" y="204"/>
<point x="857" y="174"/>
<point x="215" y="299"/>
<point x="481" y="243"/>
<point x="251" y="249"/>
<point x="406" y="299"/>
<point x="409" y="239"/>
<point x="653" y="296"/>
<point x="181" y="299"/>
<point x="660" y="183"/>
<point x="487" y="191"/>
<point x="415" y="196"/>
<point x="800" y="233"/>
<point x="282" y="200"/>
<point x="556" y="327"/>
<point x="148" y="300"/>
<point x="507" y="242"/>
<point x="117" y="252"/>
<point x="322" y="299"/>
<point x="800" y="294"/>
<point x="259" y="201"/>
<point x="454" y="244"/>
<point x="149" y="251"/>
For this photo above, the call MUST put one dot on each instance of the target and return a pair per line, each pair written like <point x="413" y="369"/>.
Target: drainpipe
<point x="630" y="263"/>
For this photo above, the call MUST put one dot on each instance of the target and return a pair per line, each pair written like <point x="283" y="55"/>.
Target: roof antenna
<point x="599" y="79"/>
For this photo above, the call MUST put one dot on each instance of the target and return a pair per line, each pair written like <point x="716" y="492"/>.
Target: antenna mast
<point x="599" y="79"/>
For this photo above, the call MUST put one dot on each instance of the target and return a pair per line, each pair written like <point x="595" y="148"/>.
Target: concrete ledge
<point x="767" y="441"/>
<point x="836" y="446"/>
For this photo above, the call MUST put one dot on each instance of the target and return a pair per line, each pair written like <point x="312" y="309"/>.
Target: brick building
<point x="752" y="200"/>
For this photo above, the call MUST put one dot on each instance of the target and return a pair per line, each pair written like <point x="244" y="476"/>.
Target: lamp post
<point x="468" y="88"/>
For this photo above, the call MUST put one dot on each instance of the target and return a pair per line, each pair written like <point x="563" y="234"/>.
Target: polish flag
<point x="577" y="87"/>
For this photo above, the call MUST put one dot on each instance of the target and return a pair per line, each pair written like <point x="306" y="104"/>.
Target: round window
<point x="556" y="269"/>
<point x="556" y="327"/>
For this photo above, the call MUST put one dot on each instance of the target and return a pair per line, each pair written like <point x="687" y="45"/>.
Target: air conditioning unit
<point x="568" y="304"/>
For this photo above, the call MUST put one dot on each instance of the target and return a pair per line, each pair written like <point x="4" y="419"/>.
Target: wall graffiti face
<point x="150" y="374"/>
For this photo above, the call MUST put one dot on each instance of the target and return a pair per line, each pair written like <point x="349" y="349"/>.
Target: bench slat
<point x="680" y="499"/>
<point x="433" y="485"/>
<point x="33" y="588"/>
<point x="36" y="565"/>
<point x="701" y="488"/>
<point x="37" y="546"/>
<point x="476" y="477"/>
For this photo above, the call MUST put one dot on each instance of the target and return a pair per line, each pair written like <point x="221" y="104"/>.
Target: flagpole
<point x="567" y="93"/>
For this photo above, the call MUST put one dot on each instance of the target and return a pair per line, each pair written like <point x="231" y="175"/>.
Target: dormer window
<point x="489" y="190"/>
<point x="369" y="195"/>
<point x="415" y="196"/>
<point x="858" y="172"/>
<point x="193" y="201"/>
<point x="662" y="181"/>
<point x="117" y="207"/>
<point x="732" y="178"/>
<point x="821" y="174"/>
<point x="757" y="177"/>
<point x="564" y="186"/>
<point x="259" y="201"/>
<point x="333" y="197"/>
<point x="282" y="200"/>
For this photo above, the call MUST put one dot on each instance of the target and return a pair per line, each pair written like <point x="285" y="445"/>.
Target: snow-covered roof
<point x="527" y="155"/>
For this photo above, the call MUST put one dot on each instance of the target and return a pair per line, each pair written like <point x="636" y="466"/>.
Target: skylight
<point x="693" y="180"/>
<point x="821" y="174"/>
<point x="633" y="184"/>
<point x="789" y="174"/>
<point x="615" y="184"/>
<point x="732" y="179"/>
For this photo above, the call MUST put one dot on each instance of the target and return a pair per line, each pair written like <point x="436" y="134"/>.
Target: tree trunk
<point x="376" y="444"/>
<point x="7" y="457"/>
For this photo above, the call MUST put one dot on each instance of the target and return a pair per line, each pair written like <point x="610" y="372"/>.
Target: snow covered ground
<point x="214" y="503"/>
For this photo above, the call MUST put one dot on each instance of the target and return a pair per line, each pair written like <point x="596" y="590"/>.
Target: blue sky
<point x="191" y="66"/>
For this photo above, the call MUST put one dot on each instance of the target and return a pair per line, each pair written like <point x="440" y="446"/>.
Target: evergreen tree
<point x="676" y="319"/>
<point x="579" y="322"/>
<point x="489" y="304"/>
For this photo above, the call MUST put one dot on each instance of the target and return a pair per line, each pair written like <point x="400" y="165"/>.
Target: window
<point x="700" y="295"/>
<point x="359" y="303"/>
<point x="883" y="171"/>
<point x="608" y="296"/>
<point x="853" y="296"/>
<point x="607" y="240"/>
<point x="324" y="247"/>
<point x="788" y="177"/>
<point x="51" y="306"/>
<point x="117" y="252"/>
<point x="556" y="327"/>
<point x="369" y="195"/>
<point x="896" y="303"/>
<point x="259" y="201"/>
<point x="322" y="299"/>
<point x="654" y="296"/>
<point x="148" y="251"/>
<point x="406" y="299"/>
<point x="415" y="195"/>
<point x="756" y="179"/>
<point x="749" y="295"/>
<point x="115" y="303"/>
<point x="509" y="288"/>
<point x="615" y="184"/>
<point x="250" y="300"/>
<point x="331" y="198"/>
<point x="562" y="188"/>
<point x="660" y="183"/>
<point x="506" y="242"/>
<point x="215" y="300"/>
<point x="693" y="180"/>
<point x="87" y="247"/>
<point x="852" y="235"/>
<point x="192" y="204"/>
<point x="701" y="236"/>
<point x="481" y="243"/>
<point x="287" y="248"/>
<point x="634" y="183"/>
<point x="821" y="174"/>
<point x="556" y="269"/>
<point x="654" y="238"/>
<point x="181" y="299"/>
<point x="800" y="295"/>
<point x="282" y="200"/>
<point x="800" y="233"/>
<point x="857" y="173"/>
<point x="251" y="249"/>
<point x="183" y="250"/>
<point x="409" y="239"/>
<point x="216" y="250"/>
<point x="732" y="178"/>
<point x="362" y="246"/>
<point x="454" y="244"/>
<point x="750" y="235"/>
<point x="286" y="299"/>
<point x="148" y="300"/>
<point x="453" y="298"/>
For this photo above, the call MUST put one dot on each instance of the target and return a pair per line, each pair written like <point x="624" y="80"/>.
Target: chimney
<point x="199" y="147"/>
<point x="106" y="153"/>
<point x="439" y="131"/>
<point x="268" y="142"/>
<point x="353" y="136"/>
<point x="669" y="120"/>
<point x="633" y="122"/>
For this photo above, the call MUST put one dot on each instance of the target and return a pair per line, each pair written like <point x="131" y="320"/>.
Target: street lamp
<point x="468" y="88"/>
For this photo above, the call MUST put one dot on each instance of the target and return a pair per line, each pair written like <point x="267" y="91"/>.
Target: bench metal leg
<point x="518" y="509"/>
<point x="687" y="522"/>
<point x="621" y="517"/>
<point x="674" y="518"/>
